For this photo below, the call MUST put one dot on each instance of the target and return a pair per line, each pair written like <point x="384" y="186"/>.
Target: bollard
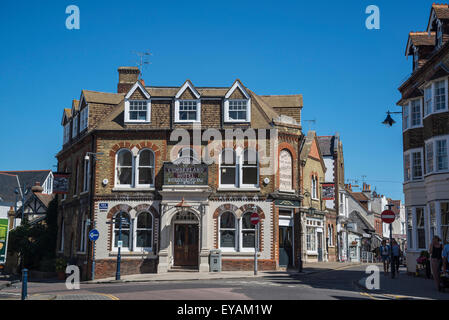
<point x="24" y="284"/>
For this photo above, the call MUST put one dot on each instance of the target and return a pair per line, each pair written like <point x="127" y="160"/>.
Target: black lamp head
<point x="389" y="120"/>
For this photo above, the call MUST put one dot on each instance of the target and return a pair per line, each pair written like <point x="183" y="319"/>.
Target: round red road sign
<point x="388" y="216"/>
<point x="255" y="218"/>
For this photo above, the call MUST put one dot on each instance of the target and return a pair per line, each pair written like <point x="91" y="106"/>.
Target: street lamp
<point x="389" y="120"/>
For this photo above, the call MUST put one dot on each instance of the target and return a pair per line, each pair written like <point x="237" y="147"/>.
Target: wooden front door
<point x="186" y="245"/>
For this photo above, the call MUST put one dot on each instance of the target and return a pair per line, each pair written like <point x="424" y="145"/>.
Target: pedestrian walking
<point x="435" y="251"/>
<point x="385" y="255"/>
<point x="396" y="256"/>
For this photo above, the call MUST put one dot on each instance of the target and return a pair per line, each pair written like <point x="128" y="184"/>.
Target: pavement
<point x="309" y="268"/>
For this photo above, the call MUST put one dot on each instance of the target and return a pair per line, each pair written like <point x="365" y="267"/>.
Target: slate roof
<point x="284" y="101"/>
<point x="361" y="198"/>
<point x="102" y="97"/>
<point x="327" y="145"/>
<point x="29" y="178"/>
<point x="8" y="183"/>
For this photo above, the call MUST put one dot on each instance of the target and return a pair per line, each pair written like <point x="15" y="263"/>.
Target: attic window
<point x="138" y="111"/>
<point x="415" y="58"/>
<point x="237" y="111"/>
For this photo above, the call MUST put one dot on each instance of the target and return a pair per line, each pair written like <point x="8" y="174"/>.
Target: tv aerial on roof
<point x="144" y="60"/>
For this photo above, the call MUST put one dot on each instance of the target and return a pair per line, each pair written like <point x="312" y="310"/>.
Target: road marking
<point x="369" y="296"/>
<point x="110" y="296"/>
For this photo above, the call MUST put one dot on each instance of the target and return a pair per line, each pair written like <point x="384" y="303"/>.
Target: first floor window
<point x="428" y="100"/>
<point x="126" y="227"/>
<point x="429" y="157"/>
<point x="124" y="167"/>
<point x="441" y="148"/>
<point x="444" y="214"/>
<point x="146" y="167"/>
<point x="83" y="236"/>
<point x="440" y="95"/>
<point x="138" y="110"/>
<point x="250" y="168"/>
<point x="228" y="167"/>
<point x="405" y="117"/>
<point x="416" y="112"/>
<point x="417" y="165"/>
<point x="144" y="230"/>
<point x="228" y="230"/>
<point x="314" y="188"/>
<point x="420" y="230"/>
<point x="86" y="175"/>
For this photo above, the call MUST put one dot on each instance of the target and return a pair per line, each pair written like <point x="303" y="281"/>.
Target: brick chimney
<point x="37" y="187"/>
<point x="127" y="77"/>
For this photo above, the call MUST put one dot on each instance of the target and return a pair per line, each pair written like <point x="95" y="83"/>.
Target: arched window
<point x="313" y="187"/>
<point x="124" y="168"/>
<point x="249" y="168"/>
<point x="228" y="172"/>
<point x="248" y="233"/>
<point x="126" y="226"/>
<point x="144" y="231"/>
<point x="228" y="234"/>
<point x="145" y="168"/>
<point x="285" y="171"/>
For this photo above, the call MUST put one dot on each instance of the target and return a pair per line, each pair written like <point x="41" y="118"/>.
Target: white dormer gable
<point x="188" y="110"/>
<point x="137" y="85"/>
<point x="237" y="110"/>
<point x="138" y="111"/>
<point x="189" y="85"/>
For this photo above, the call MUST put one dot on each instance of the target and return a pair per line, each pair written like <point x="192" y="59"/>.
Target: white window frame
<point x="136" y="228"/>
<point x="178" y="106"/>
<point x="415" y="225"/>
<point x="235" y="86"/>
<point x="137" y="168"/>
<point x="406" y="117"/>
<point x="133" y="165"/>
<point x="235" y="166"/>
<point x="431" y="85"/>
<point x="415" y="58"/>
<point x="432" y="152"/>
<point x="420" y="124"/>
<point x="128" y="107"/>
<point x="240" y="233"/>
<point x="428" y="100"/>
<point x="314" y="224"/>
<point x="84" y="119"/>
<point x="123" y="249"/>
<point x="227" y="103"/>
<point x="433" y="141"/>
<point x="83" y="235"/>
<point x="242" y="166"/>
<point x="409" y="219"/>
<point x="314" y="188"/>
<point x="236" y="230"/>
<point x="409" y="153"/>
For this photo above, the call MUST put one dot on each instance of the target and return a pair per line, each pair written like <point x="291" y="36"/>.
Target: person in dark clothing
<point x="396" y="255"/>
<point x="435" y="251"/>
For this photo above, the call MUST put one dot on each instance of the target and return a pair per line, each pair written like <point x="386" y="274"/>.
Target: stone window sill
<point x="133" y="189"/>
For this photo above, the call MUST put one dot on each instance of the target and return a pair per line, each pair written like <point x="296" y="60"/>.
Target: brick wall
<point x="247" y="265"/>
<point x="107" y="268"/>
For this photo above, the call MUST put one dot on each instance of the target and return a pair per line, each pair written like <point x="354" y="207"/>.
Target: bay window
<point x="441" y="148"/>
<point x="413" y="164"/>
<point x="436" y="97"/>
<point x="428" y="100"/>
<point x="432" y="220"/>
<point x="416" y="113"/>
<point x="440" y="95"/>
<point x="410" y="237"/>
<point x="405" y="117"/>
<point x="429" y="157"/>
<point x="437" y="154"/>
<point x="420" y="229"/>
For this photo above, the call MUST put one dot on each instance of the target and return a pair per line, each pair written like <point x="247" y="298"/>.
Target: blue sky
<point x="348" y="74"/>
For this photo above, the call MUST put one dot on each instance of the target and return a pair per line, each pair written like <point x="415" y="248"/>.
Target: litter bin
<point x="215" y="261"/>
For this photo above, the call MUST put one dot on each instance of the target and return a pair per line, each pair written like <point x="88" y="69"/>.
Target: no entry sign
<point x="388" y="216"/>
<point x="255" y="218"/>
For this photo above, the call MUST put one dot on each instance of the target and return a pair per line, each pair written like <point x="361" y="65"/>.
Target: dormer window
<point x="187" y="111"/>
<point x="237" y="104"/>
<point x="238" y="110"/>
<point x="138" y="111"/>
<point x="75" y="126"/>
<point x="439" y="34"/>
<point x="138" y="105"/>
